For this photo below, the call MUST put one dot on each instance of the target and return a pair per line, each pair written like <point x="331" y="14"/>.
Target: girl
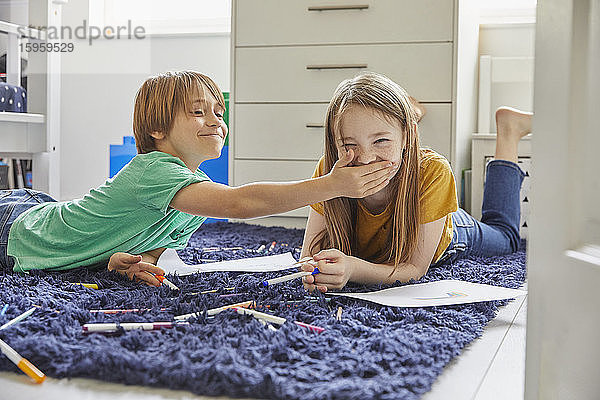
<point x="160" y="198"/>
<point x="414" y="221"/>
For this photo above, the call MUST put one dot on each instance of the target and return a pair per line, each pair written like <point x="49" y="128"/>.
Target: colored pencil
<point x="213" y="311"/>
<point x="260" y="315"/>
<point x="21" y="362"/>
<point x="18" y="318"/>
<point x="128" y="326"/>
<point x="123" y="311"/>
<point x="167" y="282"/>
<point x="275" y="319"/>
<point x="289" y="277"/>
<point x="268" y="325"/>
<point x="87" y="285"/>
<point x="310" y="327"/>
<point x="209" y="291"/>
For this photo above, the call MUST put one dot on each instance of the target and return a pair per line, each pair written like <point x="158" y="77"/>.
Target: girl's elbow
<point x="421" y="271"/>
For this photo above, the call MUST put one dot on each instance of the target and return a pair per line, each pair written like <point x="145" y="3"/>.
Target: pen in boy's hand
<point x="167" y="282"/>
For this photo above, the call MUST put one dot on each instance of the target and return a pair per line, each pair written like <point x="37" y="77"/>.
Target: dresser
<point x="289" y="56"/>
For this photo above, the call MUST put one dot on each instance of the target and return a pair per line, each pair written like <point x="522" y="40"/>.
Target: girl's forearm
<point x="366" y="272"/>
<point x="261" y="199"/>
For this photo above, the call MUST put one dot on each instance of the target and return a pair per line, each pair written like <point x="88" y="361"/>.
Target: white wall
<point x="99" y="82"/>
<point x="508" y="40"/>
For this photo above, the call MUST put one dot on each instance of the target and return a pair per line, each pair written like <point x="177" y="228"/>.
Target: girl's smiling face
<point x="370" y="135"/>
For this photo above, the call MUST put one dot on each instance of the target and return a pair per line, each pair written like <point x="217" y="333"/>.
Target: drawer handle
<point x="339" y="8"/>
<point x="313" y="125"/>
<point x="336" y="66"/>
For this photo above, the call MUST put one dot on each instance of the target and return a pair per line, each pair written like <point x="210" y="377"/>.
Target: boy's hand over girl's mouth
<point x="360" y="181"/>
<point x="134" y="268"/>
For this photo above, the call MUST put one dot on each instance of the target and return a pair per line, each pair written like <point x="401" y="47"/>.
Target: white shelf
<point x="22" y="31"/>
<point x="22" y="117"/>
<point x="22" y="133"/>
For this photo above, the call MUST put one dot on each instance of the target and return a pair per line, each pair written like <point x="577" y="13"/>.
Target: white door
<point x="563" y="326"/>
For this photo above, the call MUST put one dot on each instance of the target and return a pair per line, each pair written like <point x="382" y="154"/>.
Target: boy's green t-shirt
<point x="129" y="212"/>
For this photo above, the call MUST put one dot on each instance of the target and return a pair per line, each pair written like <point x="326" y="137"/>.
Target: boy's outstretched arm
<point x="266" y="198"/>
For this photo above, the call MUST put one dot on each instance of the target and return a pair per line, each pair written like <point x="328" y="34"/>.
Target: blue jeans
<point x="12" y="204"/>
<point x="498" y="231"/>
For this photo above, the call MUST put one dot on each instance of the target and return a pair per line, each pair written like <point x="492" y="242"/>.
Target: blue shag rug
<point x="373" y="352"/>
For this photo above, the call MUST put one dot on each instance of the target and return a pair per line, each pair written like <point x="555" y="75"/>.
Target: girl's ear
<point x="157" y="135"/>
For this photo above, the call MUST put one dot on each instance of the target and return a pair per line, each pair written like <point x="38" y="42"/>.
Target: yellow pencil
<point x="21" y="362"/>
<point x="87" y="285"/>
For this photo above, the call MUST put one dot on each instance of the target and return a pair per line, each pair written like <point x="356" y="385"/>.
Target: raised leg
<point x="511" y="126"/>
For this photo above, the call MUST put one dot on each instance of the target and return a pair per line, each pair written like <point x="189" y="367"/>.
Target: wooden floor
<point x="491" y="367"/>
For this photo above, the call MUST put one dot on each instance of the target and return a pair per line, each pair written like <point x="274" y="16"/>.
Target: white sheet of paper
<point x="171" y="263"/>
<point x="439" y="293"/>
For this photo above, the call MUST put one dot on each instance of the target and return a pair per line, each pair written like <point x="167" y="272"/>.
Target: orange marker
<point x="21" y="362"/>
<point x="167" y="282"/>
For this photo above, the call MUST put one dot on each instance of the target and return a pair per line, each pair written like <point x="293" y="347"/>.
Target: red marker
<point x="313" y="328"/>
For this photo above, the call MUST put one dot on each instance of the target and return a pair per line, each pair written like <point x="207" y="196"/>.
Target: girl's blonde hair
<point x="161" y="97"/>
<point x="381" y="94"/>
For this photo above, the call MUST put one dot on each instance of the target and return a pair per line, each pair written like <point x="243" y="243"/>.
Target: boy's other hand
<point x="134" y="268"/>
<point x="360" y="181"/>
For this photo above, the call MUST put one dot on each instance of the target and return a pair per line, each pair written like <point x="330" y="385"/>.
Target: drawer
<point x="246" y="171"/>
<point x="279" y="131"/>
<point x="435" y="130"/>
<point x="311" y="74"/>
<point x="301" y="22"/>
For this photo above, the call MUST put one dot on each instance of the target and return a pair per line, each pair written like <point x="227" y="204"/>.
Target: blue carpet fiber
<point x="374" y="352"/>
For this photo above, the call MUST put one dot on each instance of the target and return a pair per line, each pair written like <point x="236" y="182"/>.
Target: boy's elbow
<point x="235" y="211"/>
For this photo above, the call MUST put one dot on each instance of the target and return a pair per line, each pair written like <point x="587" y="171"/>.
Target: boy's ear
<point x="157" y="135"/>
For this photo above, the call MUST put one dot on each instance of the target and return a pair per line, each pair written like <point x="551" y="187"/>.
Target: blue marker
<point x="289" y="277"/>
<point x="3" y="311"/>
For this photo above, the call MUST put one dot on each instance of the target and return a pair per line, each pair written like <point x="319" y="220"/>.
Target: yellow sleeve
<point x="318" y="207"/>
<point x="438" y="189"/>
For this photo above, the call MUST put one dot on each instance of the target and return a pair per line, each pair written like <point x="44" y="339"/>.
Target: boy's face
<point x="197" y="134"/>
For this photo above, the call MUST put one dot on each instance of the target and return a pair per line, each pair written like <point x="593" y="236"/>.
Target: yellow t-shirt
<point x="437" y="199"/>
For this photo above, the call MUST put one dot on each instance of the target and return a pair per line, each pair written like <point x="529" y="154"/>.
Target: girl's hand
<point x="361" y="181"/>
<point x="336" y="269"/>
<point x="132" y="266"/>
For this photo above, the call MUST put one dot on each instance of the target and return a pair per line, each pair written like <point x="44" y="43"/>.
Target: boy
<point x="161" y="197"/>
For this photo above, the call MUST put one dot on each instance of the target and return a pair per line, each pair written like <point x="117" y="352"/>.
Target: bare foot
<point x="419" y="108"/>
<point x="511" y="126"/>
<point x="513" y="123"/>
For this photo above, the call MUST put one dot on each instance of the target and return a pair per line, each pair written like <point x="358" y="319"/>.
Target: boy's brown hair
<point x="161" y="97"/>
